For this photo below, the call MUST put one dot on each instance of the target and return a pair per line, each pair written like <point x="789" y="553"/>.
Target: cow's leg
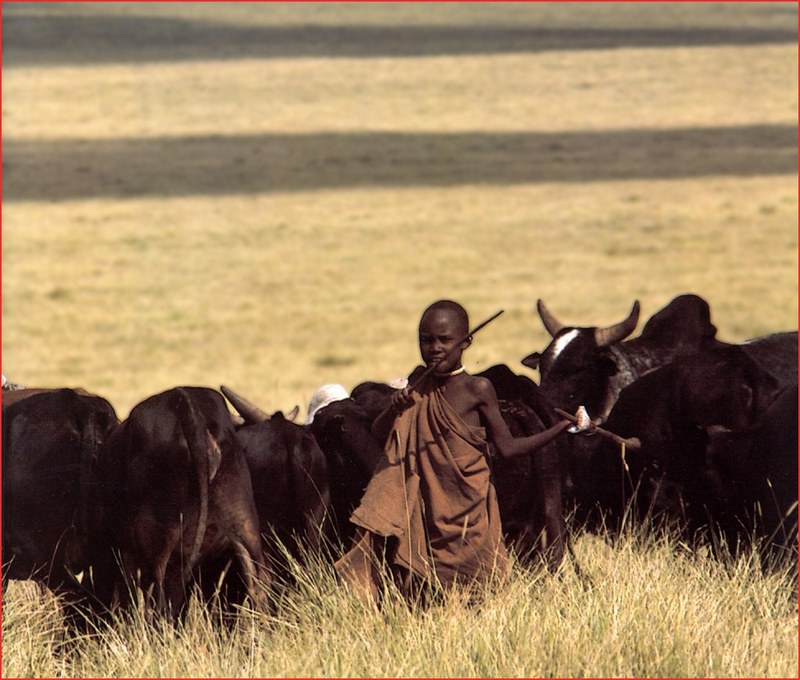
<point x="254" y="574"/>
<point x="158" y="546"/>
<point x="250" y="544"/>
<point x="246" y="537"/>
<point x="549" y="482"/>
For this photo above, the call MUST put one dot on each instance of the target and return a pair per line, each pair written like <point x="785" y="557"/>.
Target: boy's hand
<point x="401" y="400"/>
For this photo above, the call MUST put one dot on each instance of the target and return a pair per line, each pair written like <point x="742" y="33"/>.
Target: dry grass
<point x="623" y="89"/>
<point x="276" y="224"/>
<point x="276" y="295"/>
<point x="642" y="609"/>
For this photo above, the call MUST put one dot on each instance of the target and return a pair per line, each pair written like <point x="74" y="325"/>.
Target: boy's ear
<point x="467" y="342"/>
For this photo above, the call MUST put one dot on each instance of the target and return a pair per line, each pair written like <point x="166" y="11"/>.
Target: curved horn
<point x="251" y="413"/>
<point x="551" y="324"/>
<point x="619" y="331"/>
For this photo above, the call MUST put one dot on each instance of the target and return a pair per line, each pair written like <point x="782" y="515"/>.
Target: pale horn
<point x="619" y="331"/>
<point x="551" y="324"/>
<point x="250" y="412"/>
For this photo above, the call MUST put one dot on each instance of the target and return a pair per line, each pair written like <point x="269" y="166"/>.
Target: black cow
<point x="343" y="431"/>
<point x="673" y="411"/>
<point x="750" y="480"/>
<point x="529" y="488"/>
<point x="12" y="396"/>
<point x="776" y="353"/>
<point x="326" y="452"/>
<point x="290" y="480"/>
<point x="589" y="366"/>
<point x="50" y="440"/>
<point x="337" y="456"/>
<point x="173" y="494"/>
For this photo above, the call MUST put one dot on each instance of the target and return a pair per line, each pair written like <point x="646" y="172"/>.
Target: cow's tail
<point x="197" y="442"/>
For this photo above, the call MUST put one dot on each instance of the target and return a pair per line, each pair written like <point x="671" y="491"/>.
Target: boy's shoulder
<point x="481" y="386"/>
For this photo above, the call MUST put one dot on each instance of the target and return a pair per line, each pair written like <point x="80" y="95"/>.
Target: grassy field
<point x="642" y="608"/>
<point x="267" y="196"/>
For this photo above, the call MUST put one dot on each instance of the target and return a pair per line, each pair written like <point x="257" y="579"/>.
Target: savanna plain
<point x="267" y="195"/>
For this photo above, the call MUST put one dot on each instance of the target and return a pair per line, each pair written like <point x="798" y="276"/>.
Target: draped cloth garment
<point x="432" y="492"/>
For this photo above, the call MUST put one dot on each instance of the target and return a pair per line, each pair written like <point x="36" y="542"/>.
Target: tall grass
<point x="641" y="606"/>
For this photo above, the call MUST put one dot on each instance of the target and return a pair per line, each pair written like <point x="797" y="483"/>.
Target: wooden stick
<point x="431" y="369"/>
<point x="631" y="443"/>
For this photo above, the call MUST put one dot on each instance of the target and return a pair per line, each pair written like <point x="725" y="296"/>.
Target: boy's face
<point x="439" y="331"/>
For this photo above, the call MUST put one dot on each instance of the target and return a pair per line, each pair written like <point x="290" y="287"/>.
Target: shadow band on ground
<point x="31" y="40"/>
<point x="62" y="170"/>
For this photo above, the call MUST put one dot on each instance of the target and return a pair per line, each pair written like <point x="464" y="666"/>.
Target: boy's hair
<point x="450" y="306"/>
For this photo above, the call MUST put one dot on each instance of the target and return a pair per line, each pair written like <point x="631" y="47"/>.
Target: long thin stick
<point x="432" y="368"/>
<point x="632" y="443"/>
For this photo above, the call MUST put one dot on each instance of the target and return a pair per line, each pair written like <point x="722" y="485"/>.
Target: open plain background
<point x="267" y="195"/>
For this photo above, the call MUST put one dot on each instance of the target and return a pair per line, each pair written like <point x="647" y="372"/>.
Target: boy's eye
<point x="428" y="339"/>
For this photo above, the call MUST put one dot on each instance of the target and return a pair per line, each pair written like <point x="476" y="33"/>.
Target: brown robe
<point x="432" y="492"/>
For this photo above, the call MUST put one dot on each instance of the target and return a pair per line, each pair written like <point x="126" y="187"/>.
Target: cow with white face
<point x="590" y="365"/>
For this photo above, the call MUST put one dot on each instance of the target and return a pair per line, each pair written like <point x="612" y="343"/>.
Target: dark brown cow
<point x="174" y="495"/>
<point x="750" y="480"/>
<point x="700" y="422"/>
<point x="322" y="466"/>
<point x="50" y="440"/>
<point x="343" y="431"/>
<point x="289" y="473"/>
<point x="11" y="397"/>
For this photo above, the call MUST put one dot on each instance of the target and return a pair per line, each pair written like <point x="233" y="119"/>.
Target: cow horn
<point x="251" y="413"/>
<point x="551" y="324"/>
<point x="633" y="443"/>
<point x="611" y="334"/>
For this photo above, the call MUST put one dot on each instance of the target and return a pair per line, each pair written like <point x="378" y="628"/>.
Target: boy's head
<point x="442" y="325"/>
<point x="454" y="310"/>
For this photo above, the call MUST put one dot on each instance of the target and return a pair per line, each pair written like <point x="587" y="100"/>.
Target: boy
<point x="431" y="495"/>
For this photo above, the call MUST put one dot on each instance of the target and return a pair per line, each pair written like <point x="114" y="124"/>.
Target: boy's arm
<point x="506" y="444"/>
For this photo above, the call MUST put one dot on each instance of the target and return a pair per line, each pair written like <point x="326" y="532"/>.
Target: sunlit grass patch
<point x="641" y="606"/>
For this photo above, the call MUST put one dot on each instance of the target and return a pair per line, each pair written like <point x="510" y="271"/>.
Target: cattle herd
<point x="186" y="492"/>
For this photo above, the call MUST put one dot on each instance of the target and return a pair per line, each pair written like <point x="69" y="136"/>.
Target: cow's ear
<point x="532" y="360"/>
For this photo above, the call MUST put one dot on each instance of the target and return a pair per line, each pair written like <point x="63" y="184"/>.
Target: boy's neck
<point x="457" y="371"/>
